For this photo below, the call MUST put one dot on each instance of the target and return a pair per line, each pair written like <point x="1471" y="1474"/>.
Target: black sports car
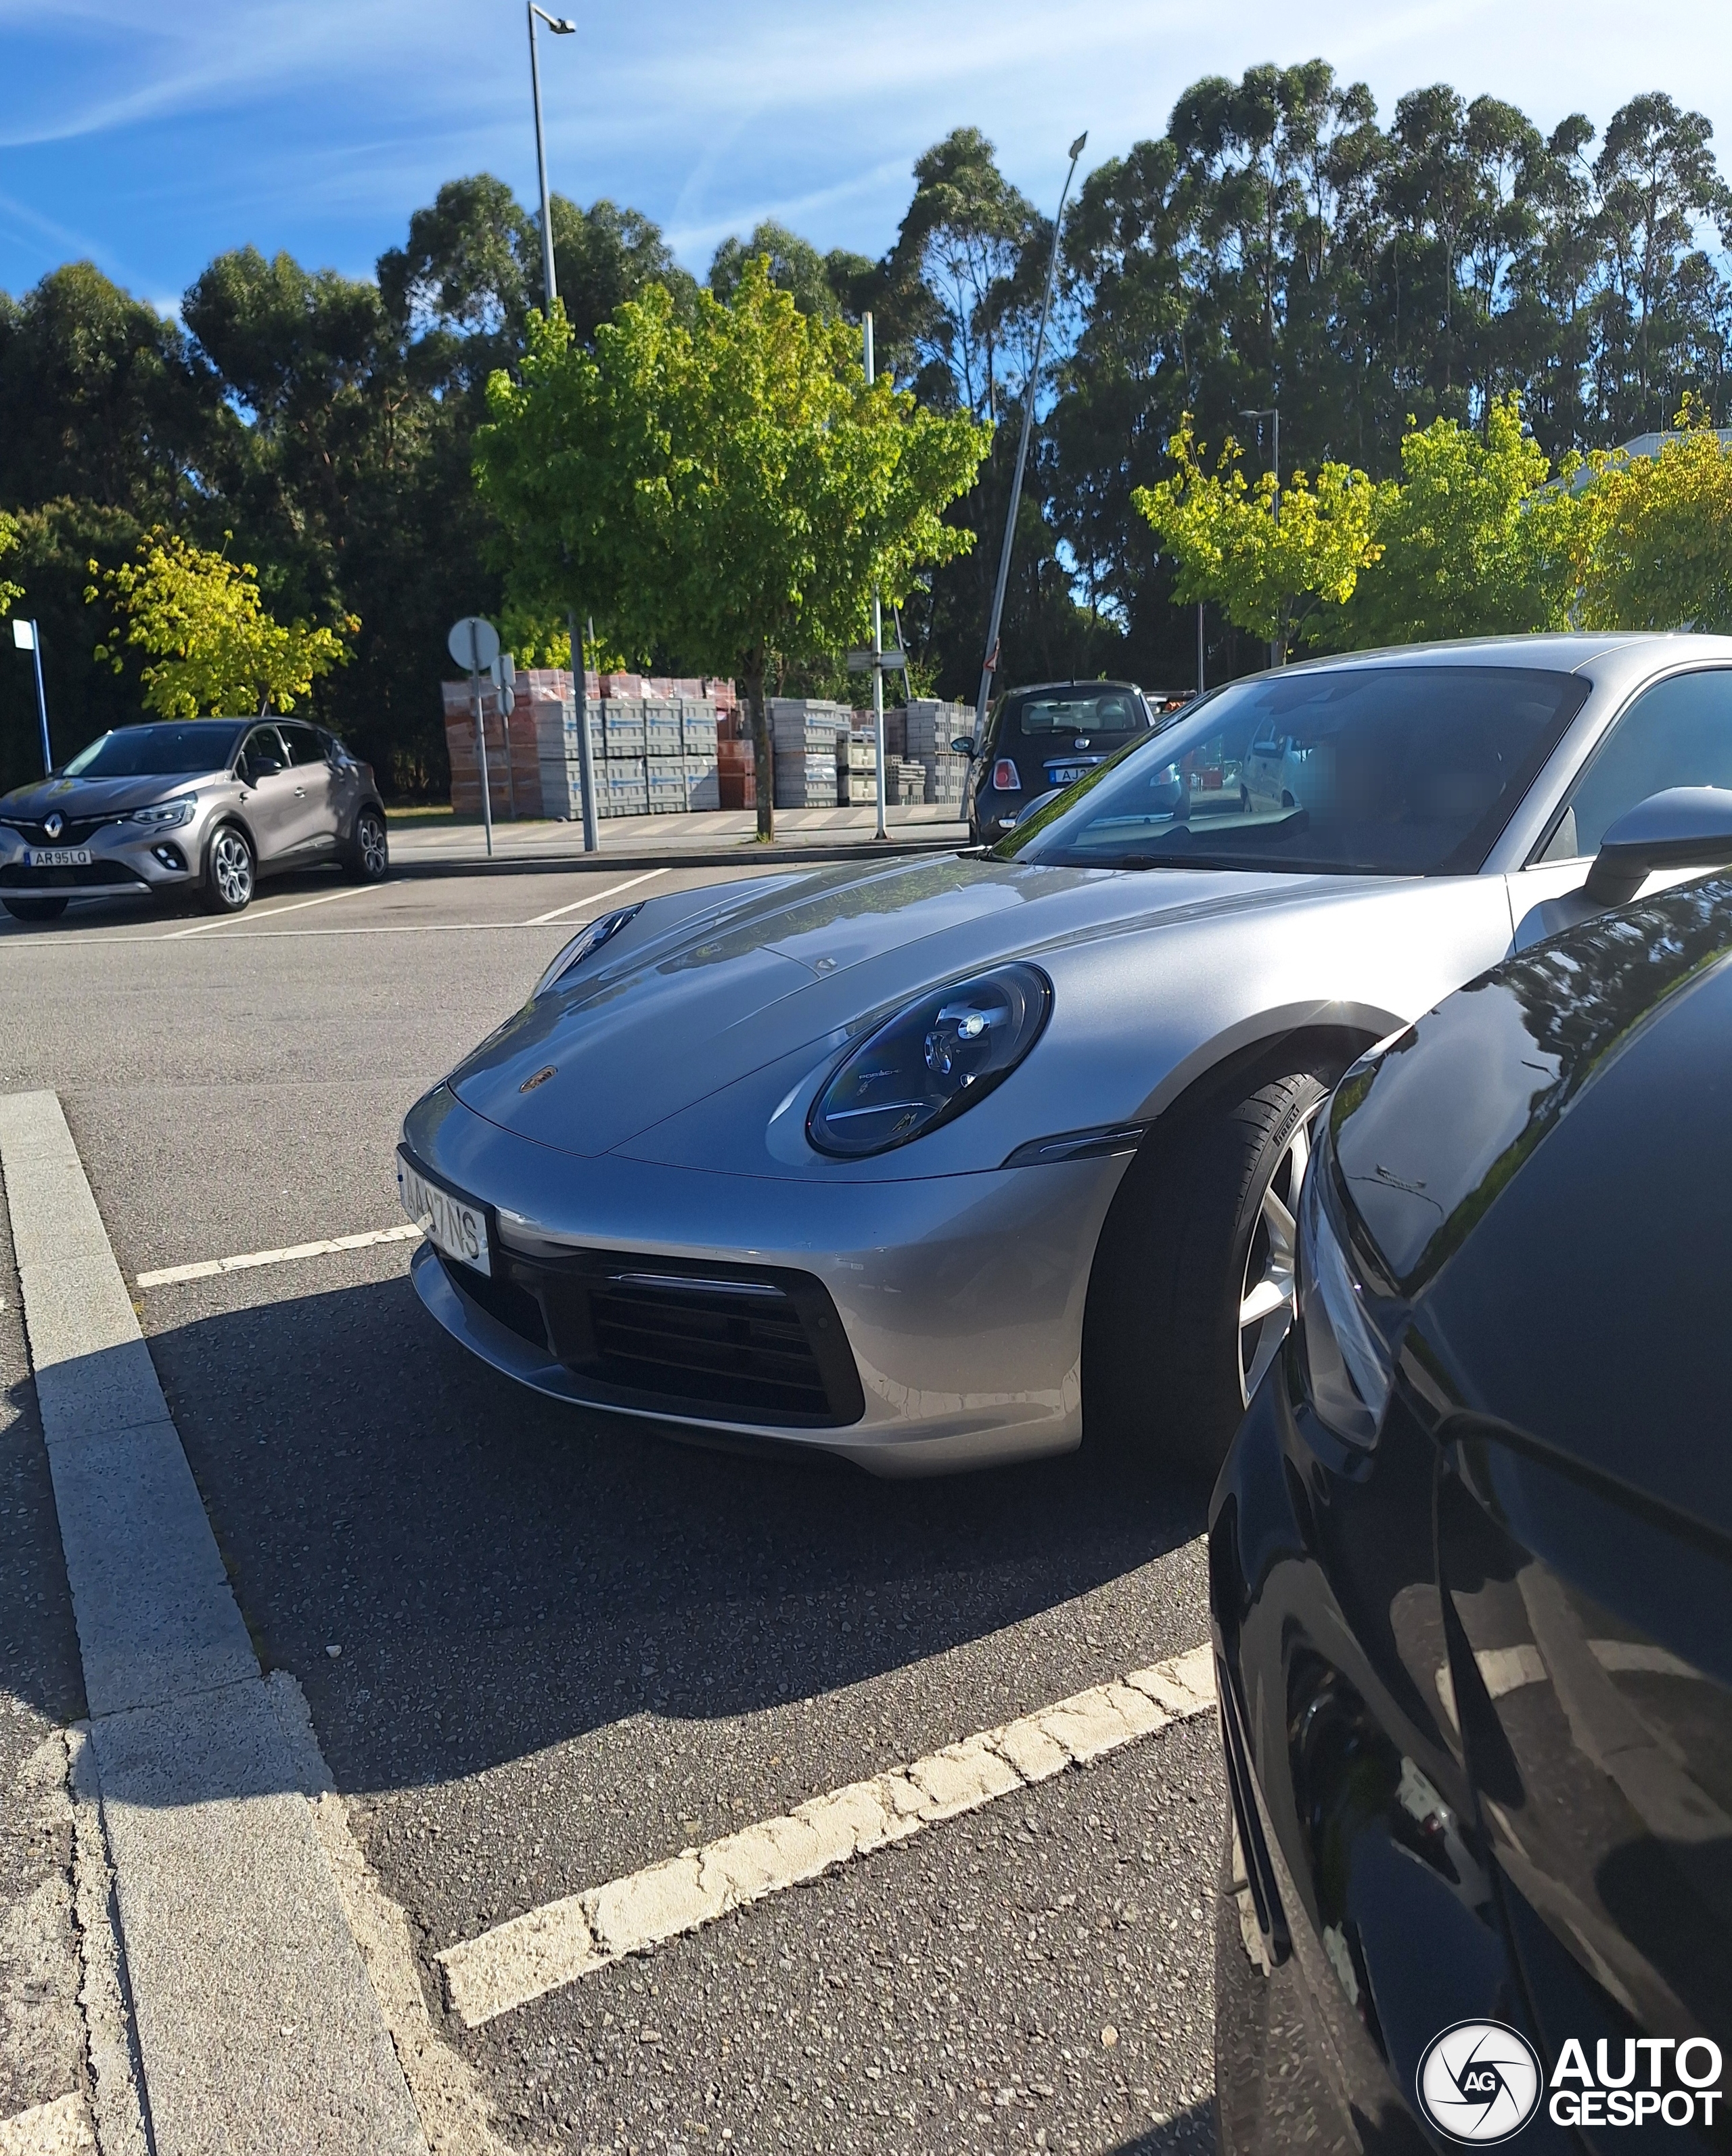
<point x="1471" y="1568"/>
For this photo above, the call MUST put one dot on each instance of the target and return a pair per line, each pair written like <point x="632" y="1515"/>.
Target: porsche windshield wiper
<point x="1188" y="860"/>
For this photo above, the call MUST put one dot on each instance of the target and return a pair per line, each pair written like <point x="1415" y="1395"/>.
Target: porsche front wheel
<point x="1191" y="1292"/>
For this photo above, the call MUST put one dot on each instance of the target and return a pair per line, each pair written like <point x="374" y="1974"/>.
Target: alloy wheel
<point x="369" y="836"/>
<point x="231" y="869"/>
<point x="1266" y="1293"/>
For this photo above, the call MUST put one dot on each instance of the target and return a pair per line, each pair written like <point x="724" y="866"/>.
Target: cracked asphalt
<point x="568" y="1646"/>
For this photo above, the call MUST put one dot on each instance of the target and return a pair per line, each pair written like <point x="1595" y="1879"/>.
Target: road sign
<point x="474" y="643"/>
<point x="863" y="662"/>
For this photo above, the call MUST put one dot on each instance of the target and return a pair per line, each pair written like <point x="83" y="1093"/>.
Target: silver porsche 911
<point x="946" y="1161"/>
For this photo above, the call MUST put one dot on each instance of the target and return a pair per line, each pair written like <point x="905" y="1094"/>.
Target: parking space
<point x="545" y="1650"/>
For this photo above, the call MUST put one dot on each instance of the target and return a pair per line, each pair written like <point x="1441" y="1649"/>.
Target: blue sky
<point x="151" y="136"/>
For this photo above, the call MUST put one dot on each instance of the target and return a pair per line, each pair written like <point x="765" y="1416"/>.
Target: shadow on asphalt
<point x="1191" y="2132"/>
<point x="510" y="1574"/>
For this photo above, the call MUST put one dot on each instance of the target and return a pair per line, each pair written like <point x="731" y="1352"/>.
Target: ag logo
<point x="1479" y="2083"/>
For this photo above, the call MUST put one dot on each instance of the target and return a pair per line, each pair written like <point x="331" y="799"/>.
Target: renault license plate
<point x="456" y="1226"/>
<point x="58" y="857"/>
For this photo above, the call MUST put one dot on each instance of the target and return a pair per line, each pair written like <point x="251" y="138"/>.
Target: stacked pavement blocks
<point x="931" y="727"/>
<point x="806" y="733"/>
<point x="653" y="746"/>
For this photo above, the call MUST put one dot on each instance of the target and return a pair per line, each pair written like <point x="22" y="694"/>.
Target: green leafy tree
<point x="795" y="265"/>
<point x="1654" y="542"/>
<point x="1267" y="571"/>
<point x="8" y="544"/>
<point x="212" y="647"/>
<point x="729" y="491"/>
<point x="1474" y="540"/>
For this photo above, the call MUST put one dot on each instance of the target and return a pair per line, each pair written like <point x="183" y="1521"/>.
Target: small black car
<point x="1471" y="1572"/>
<point x="1041" y="737"/>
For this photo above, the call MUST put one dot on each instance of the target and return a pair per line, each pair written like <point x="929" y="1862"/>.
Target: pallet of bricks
<point x="857" y="764"/>
<point x="514" y="771"/>
<point x="659" y="741"/>
<point x="805" y="733"/>
<point x="653" y="746"/>
<point x="930" y="728"/>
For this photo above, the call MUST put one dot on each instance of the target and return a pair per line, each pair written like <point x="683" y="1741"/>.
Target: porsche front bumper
<point x="961" y="1297"/>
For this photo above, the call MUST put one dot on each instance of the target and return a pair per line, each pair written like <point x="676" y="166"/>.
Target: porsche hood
<point x="687" y="1002"/>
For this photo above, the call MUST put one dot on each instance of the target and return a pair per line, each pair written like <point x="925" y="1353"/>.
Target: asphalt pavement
<point x="544" y="1650"/>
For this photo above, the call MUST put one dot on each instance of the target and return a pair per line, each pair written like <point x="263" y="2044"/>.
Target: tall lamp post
<point x="1272" y="413"/>
<point x="990" y="666"/>
<point x="562" y="26"/>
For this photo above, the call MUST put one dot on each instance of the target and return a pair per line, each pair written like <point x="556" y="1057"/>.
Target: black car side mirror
<point x="1686" y="827"/>
<point x="962" y="744"/>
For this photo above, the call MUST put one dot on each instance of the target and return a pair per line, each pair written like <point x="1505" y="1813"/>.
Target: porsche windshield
<point x="1377" y="770"/>
<point x="166" y="752"/>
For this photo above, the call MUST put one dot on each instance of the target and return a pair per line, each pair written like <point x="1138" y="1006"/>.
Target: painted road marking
<point x="548" y="1948"/>
<point x="208" y="1268"/>
<point x="324" y="898"/>
<point x="593" y="898"/>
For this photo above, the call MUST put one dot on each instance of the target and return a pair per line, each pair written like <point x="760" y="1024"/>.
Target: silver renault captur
<point x="189" y="805"/>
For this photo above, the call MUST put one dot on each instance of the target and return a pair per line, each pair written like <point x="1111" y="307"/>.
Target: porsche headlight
<point x="584" y="944"/>
<point x="933" y="1060"/>
<point x="1349" y="1364"/>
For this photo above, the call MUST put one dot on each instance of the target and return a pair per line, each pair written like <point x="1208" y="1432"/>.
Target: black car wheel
<point x="1191" y="1289"/>
<point x="35" y="909"/>
<point x="230" y="871"/>
<point x="369" y="855"/>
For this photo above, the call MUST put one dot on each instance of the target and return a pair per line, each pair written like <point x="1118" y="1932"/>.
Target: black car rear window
<point x="1095" y="708"/>
<point x="166" y="752"/>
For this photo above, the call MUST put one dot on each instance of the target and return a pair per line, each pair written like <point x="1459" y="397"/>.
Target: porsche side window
<point x="1677" y="733"/>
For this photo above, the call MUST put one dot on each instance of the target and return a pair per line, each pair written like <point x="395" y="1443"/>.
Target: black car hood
<point x="80" y="797"/>
<point x="1544" y="1165"/>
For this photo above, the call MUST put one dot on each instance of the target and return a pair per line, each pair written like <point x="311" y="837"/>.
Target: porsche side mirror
<point x="962" y="744"/>
<point x="1686" y="827"/>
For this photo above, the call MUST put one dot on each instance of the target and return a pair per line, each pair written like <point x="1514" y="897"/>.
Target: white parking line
<point x="593" y="897"/>
<point x="549" y="1946"/>
<point x="208" y="1268"/>
<point x="324" y="898"/>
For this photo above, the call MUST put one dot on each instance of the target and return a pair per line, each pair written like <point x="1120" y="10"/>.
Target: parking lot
<point x="544" y="1650"/>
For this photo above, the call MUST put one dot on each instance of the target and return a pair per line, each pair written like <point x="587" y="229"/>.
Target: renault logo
<point x="55" y="824"/>
<point x="538" y="1078"/>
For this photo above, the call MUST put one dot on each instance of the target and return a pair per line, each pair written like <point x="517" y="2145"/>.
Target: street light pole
<point x="561" y="26"/>
<point x="878" y="638"/>
<point x="989" y="666"/>
<point x="1272" y="413"/>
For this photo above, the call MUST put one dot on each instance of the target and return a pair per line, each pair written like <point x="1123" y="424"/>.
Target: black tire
<point x="1162" y="1343"/>
<point x="35" y="909"/>
<point x="231" y="872"/>
<point x="368" y="857"/>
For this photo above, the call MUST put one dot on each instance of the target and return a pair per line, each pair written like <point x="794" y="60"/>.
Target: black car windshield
<point x="1099" y="707"/>
<point x="1374" y="770"/>
<point x="165" y="752"/>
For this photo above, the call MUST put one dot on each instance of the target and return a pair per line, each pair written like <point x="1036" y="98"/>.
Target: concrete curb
<point x="744" y="856"/>
<point x="258" y="2029"/>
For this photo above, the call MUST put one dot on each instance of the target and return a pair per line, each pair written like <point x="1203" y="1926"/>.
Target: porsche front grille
<point x="716" y="1341"/>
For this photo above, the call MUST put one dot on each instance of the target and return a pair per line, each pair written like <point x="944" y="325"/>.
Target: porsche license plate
<point x="456" y="1226"/>
<point x="60" y="857"/>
